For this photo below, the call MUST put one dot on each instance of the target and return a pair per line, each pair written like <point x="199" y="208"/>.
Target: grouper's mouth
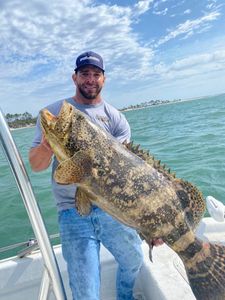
<point x="48" y="120"/>
<point x="59" y="123"/>
<point x="56" y="130"/>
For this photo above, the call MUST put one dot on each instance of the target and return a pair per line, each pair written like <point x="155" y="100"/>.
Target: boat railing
<point x="30" y="246"/>
<point x="51" y="275"/>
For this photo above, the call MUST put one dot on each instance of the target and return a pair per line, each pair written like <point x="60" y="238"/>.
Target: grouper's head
<point x="57" y="129"/>
<point x="69" y="132"/>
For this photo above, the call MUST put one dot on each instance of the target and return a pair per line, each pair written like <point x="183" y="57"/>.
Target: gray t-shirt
<point x="106" y="116"/>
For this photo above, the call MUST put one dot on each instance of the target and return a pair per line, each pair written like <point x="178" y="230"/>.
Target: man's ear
<point x="104" y="79"/>
<point x="74" y="77"/>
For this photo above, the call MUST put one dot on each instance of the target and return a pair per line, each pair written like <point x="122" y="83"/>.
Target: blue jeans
<point x="81" y="237"/>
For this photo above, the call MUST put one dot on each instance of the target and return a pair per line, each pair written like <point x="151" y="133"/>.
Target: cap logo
<point x="89" y="57"/>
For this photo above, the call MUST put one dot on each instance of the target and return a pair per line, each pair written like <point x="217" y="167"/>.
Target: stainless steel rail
<point x="25" y="188"/>
<point x="27" y="244"/>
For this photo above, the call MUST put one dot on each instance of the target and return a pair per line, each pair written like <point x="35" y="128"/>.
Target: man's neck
<point x="82" y="100"/>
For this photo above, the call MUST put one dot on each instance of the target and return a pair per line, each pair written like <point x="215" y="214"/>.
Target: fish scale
<point x="131" y="185"/>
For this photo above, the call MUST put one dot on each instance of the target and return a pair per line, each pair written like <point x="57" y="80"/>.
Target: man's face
<point x="89" y="81"/>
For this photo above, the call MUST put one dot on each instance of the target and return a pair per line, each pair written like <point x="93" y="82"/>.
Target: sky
<point x="152" y="49"/>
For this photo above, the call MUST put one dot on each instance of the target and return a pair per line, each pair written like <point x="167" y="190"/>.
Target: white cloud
<point x="192" y="65"/>
<point x="38" y="49"/>
<point x="161" y="12"/>
<point x="157" y="8"/>
<point x="60" y="30"/>
<point x="187" y="12"/>
<point x="214" y="4"/>
<point x="159" y="3"/>
<point x="142" y="6"/>
<point x="189" y="27"/>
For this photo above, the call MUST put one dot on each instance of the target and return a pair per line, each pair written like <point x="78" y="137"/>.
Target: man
<point x="81" y="235"/>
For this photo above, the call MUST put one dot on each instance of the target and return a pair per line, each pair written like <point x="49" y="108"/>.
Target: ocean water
<point x="189" y="137"/>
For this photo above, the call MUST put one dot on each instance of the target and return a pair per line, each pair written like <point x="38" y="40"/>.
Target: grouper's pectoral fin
<point x="73" y="170"/>
<point x="66" y="173"/>
<point x="82" y="202"/>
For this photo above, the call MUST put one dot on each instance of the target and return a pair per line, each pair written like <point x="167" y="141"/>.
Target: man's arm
<point x="40" y="156"/>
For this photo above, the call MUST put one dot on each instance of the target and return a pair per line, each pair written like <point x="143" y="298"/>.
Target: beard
<point x="89" y="94"/>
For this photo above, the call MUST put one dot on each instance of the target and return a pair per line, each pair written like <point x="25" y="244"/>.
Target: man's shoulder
<point x="111" y="109"/>
<point x="117" y="118"/>
<point x="120" y="128"/>
<point x="55" y="106"/>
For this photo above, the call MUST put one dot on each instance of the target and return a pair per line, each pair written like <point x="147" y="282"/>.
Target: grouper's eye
<point x="80" y="118"/>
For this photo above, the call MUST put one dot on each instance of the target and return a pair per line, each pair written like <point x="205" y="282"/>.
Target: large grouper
<point x="133" y="187"/>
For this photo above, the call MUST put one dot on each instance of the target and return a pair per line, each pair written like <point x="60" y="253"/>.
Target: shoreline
<point x="153" y="105"/>
<point x="166" y="103"/>
<point x="22" y="127"/>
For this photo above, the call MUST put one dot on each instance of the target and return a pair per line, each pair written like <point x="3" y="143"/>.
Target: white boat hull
<point x="164" y="279"/>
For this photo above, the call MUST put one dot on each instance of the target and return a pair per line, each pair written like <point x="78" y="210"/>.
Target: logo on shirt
<point x="103" y="119"/>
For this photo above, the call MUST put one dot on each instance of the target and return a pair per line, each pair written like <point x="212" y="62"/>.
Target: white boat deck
<point x="164" y="279"/>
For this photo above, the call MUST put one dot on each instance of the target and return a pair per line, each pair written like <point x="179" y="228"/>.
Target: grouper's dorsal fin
<point x="150" y="159"/>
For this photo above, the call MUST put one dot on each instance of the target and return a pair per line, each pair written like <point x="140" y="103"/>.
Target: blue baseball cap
<point x="89" y="58"/>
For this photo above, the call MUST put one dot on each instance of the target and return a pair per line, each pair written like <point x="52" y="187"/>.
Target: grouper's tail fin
<point x="206" y="270"/>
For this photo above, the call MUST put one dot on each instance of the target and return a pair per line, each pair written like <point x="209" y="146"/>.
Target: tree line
<point x="20" y="120"/>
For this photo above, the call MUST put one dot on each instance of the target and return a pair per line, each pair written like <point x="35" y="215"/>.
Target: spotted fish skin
<point x="133" y="187"/>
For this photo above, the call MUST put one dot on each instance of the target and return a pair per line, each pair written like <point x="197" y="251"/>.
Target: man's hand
<point x="40" y="156"/>
<point x="45" y="143"/>
<point x="157" y="242"/>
